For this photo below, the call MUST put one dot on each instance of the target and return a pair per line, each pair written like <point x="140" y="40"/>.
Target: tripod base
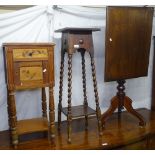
<point x="124" y="101"/>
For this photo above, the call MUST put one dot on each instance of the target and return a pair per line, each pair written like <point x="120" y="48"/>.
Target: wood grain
<point x="31" y="73"/>
<point x="128" y="38"/>
<point x="153" y="78"/>
<point x="32" y="125"/>
<point x="118" y="134"/>
<point x="23" y="54"/>
<point x="79" y="111"/>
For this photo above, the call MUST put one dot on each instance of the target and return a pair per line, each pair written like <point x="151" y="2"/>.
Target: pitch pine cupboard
<point x="29" y="66"/>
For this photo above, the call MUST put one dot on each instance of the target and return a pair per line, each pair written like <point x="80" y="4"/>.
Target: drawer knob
<point x="30" y="54"/>
<point x="81" y="41"/>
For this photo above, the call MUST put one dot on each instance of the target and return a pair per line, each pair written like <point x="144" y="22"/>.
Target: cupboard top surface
<point x="67" y="29"/>
<point x="28" y="44"/>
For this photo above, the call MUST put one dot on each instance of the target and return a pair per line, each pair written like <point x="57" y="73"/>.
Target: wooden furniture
<point x="29" y="65"/>
<point x="77" y="39"/>
<point x="153" y="78"/>
<point x="118" y="134"/>
<point x="128" y="38"/>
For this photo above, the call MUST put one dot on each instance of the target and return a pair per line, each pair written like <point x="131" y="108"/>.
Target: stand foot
<point x="69" y="140"/>
<point x="15" y="147"/>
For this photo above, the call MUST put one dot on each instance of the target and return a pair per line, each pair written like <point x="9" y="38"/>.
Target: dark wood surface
<point x="79" y="111"/>
<point x="32" y="125"/>
<point x="121" y="101"/>
<point x="81" y="38"/>
<point x="118" y="134"/>
<point x="153" y="78"/>
<point x="128" y="38"/>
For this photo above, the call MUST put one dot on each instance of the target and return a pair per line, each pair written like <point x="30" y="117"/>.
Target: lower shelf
<point x="79" y="111"/>
<point x="122" y="134"/>
<point x="32" y="125"/>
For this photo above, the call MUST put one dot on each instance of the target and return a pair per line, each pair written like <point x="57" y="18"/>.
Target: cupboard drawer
<point x="29" y="54"/>
<point x="30" y="74"/>
<point x="81" y="40"/>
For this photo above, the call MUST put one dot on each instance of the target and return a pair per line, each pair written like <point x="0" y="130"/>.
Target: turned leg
<point x="120" y="95"/>
<point x="60" y="91"/>
<point x="13" y="118"/>
<point x="44" y="104"/>
<point x="98" y="111"/>
<point x="84" y="88"/>
<point x="69" y="115"/>
<point x="8" y="108"/>
<point x="51" y="113"/>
